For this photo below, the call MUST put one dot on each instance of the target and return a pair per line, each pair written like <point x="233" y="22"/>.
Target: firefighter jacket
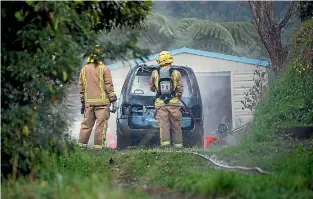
<point x="177" y="86"/>
<point x="95" y="85"/>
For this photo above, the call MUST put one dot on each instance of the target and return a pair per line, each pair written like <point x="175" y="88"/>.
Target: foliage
<point x="213" y="10"/>
<point x="238" y="38"/>
<point x="270" y="30"/>
<point x="122" y="44"/>
<point x="242" y="32"/>
<point x="247" y="40"/>
<point x="289" y="102"/>
<point x="157" y="32"/>
<point x="42" y="46"/>
<point x="306" y="10"/>
<point x="234" y="16"/>
<point x="257" y="92"/>
<point x="218" y="11"/>
<point x="205" y="34"/>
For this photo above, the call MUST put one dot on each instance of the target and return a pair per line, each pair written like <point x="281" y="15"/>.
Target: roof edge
<point x="199" y="53"/>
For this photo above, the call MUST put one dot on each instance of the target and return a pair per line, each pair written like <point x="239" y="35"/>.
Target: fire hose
<point x="194" y="120"/>
<point x="210" y="159"/>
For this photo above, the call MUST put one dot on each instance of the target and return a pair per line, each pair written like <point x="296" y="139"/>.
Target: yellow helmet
<point x="165" y="58"/>
<point x="97" y="55"/>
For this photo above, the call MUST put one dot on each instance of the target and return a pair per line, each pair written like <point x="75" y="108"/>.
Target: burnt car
<point x="136" y="115"/>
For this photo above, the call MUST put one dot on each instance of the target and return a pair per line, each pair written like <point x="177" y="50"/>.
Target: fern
<point x="185" y="23"/>
<point x="158" y="33"/>
<point x="204" y="29"/>
<point x="159" y="22"/>
<point x="242" y="32"/>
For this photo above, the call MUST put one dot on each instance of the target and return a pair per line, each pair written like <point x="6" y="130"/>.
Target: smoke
<point x="215" y="92"/>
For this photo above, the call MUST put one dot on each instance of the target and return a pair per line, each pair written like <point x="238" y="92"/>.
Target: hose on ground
<point x="214" y="162"/>
<point x="231" y="167"/>
<point x="210" y="159"/>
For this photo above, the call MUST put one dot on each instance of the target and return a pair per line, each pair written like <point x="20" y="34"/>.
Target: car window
<point x="140" y="86"/>
<point x="187" y="87"/>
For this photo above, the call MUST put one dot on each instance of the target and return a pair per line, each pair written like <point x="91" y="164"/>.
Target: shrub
<point x="289" y="102"/>
<point x="42" y="47"/>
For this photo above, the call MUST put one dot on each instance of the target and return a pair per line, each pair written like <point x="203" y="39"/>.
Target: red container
<point x="209" y="140"/>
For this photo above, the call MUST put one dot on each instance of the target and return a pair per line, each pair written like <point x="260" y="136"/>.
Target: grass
<point x="80" y="174"/>
<point x="292" y="172"/>
<point x="91" y="174"/>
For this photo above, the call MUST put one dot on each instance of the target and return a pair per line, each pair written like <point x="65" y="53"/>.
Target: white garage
<point x="223" y="79"/>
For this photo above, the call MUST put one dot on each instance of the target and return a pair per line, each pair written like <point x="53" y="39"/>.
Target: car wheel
<point x="124" y="140"/>
<point x="192" y="139"/>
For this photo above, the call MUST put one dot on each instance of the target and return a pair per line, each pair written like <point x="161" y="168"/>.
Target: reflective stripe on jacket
<point x="177" y="84"/>
<point x="95" y="84"/>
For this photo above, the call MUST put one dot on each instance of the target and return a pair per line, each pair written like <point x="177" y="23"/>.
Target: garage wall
<point x="242" y="81"/>
<point x="119" y="76"/>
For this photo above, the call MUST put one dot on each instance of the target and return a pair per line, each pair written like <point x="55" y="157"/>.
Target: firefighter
<point x="168" y="85"/>
<point x="96" y="95"/>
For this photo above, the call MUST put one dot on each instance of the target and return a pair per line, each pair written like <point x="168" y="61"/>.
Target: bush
<point x="289" y="102"/>
<point x="41" y="52"/>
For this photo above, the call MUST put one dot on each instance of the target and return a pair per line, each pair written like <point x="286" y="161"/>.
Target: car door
<point x="142" y="113"/>
<point x="141" y="102"/>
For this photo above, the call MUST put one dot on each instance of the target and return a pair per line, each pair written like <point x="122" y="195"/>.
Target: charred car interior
<point x="136" y="122"/>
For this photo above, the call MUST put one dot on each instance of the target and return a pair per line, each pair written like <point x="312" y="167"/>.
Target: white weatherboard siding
<point x="118" y="78"/>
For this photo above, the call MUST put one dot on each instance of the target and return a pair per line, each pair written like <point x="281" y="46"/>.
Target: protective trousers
<point x="100" y="115"/>
<point x="169" y="118"/>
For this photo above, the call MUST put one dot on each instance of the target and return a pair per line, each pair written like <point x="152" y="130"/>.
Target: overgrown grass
<point x="289" y="103"/>
<point x="292" y="172"/>
<point x="262" y="154"/>
<point x="96" y="174"/>
<point x="80" y="174"/>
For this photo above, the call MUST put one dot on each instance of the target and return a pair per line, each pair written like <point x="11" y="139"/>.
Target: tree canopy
<point x="159" y="32"/>
<point x="42" y="47"/>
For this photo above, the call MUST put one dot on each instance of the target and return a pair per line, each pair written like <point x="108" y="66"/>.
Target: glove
<point x="114" y="107"/>
<point x="113" y="99"/>
<point x="82" y="110"/>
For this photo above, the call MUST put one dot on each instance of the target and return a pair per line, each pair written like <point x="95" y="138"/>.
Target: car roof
<point x="153" y="67"/>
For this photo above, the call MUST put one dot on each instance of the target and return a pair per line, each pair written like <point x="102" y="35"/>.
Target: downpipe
<point x="194" y="121"/>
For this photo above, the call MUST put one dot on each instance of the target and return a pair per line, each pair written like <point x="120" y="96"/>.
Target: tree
<point x="270" y="31"/>
<point x="306" y="10"/>
<point x="42" y="44"/>
<point x="157" y="33"/>
<point x="238" y="38"/>
<point x="218" y="11"/>
<point x="205" y="34"/>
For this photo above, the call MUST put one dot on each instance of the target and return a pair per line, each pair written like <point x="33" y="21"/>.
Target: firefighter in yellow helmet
<point x="168" y="85"/>
<point x="96" y="95"/>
